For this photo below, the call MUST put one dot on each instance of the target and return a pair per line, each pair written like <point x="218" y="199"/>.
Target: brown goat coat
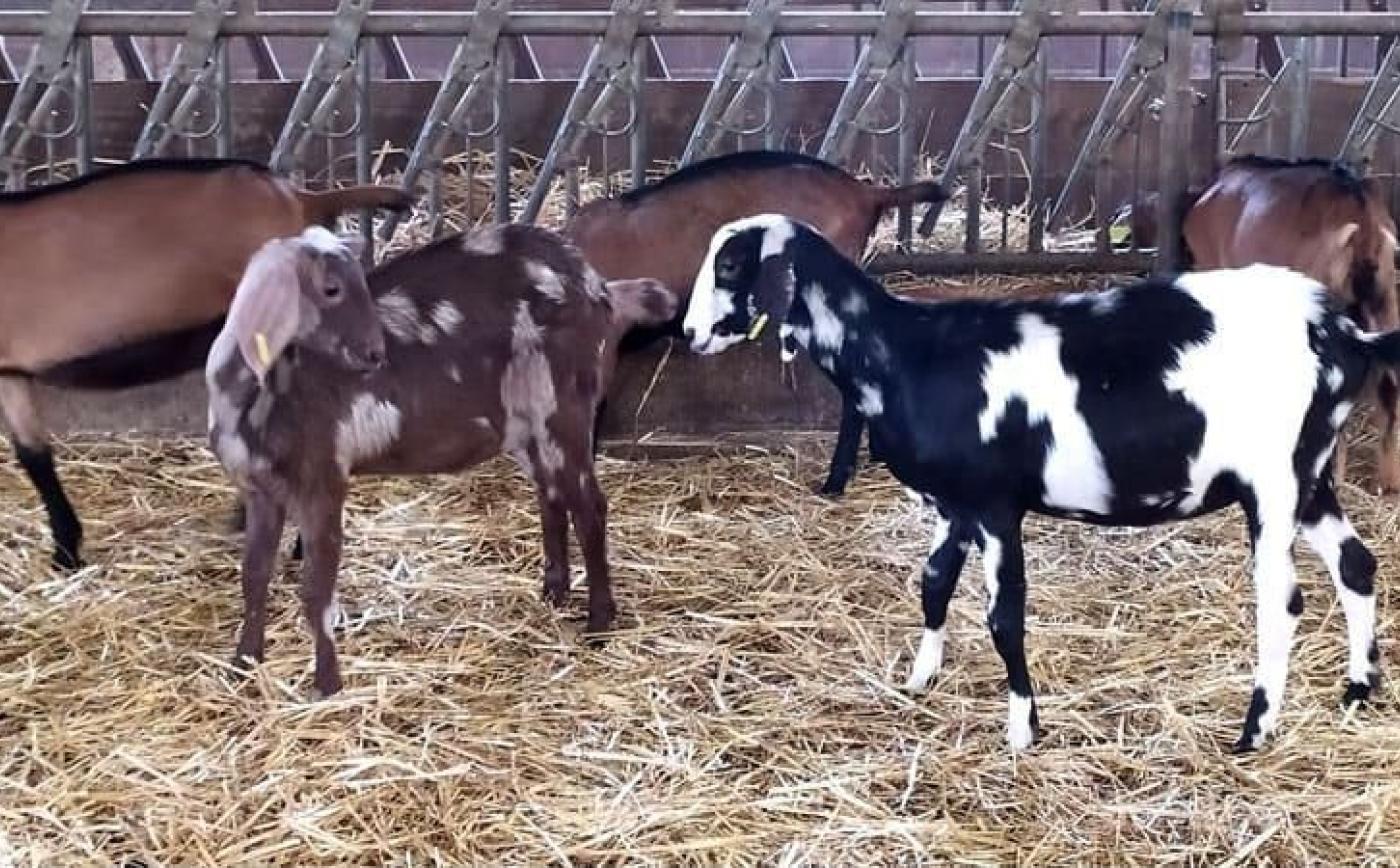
<point x="1323" y="222"/>
<point x="499" y="341"/>
<point x="143" y="256"/>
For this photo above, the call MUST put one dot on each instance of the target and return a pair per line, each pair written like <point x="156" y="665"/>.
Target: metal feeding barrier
<point x="51" y="99"/>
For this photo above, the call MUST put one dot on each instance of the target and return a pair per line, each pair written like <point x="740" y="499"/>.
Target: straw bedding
<point x="747" y="711"/>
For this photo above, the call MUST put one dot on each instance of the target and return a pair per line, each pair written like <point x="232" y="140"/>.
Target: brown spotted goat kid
<point x="497" y="341"/>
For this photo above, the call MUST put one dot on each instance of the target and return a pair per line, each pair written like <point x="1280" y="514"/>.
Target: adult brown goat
<point x="1321" y="218"/>
<point x="663" y="231"/>
<point x="124" y="276"/>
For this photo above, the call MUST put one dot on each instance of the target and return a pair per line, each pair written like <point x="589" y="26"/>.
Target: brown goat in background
<point x="501" y="340"/>
<point x="1322" y="219"/>
<point x="123" y="276"/>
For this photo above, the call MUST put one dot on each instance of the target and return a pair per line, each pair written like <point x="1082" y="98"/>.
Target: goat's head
<point x="641" y="302"/>
<point x="309" y="291"/>
<point x="745" y="282"/>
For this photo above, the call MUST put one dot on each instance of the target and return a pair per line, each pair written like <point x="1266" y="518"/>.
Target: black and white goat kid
<point x="1138" y="405"/>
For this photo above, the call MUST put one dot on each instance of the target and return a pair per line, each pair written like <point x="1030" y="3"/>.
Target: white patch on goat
<point x="545" y="279"/>
<point x="1019" y="733"/>
<point x="928" y="661"/>
<point x="329" y="616"/>
<point x="1335" y="378"/>
<point x="446" y="317"/>
<point x="1326" y="538"/>
<point x="593" y="284"/>
<point x="454" y="373"/>
<point x="1340" y="413"/>
<point x="484" y="242"/>
<point x="991" y="566"/>
<point x="369" y="429"/>
<point x="828" y="332"/>
<point x="855" y="304"/>
<point x="1322" y="458"/>
<point x="1074" y="475"/>
<point x="1274" y="587"/>
<point x="322" y="240"/>
<point x="1258" y="315"/>
<point x="872" y="402"/>
<point x="528" y="396"/>
<point x="706" y="307"/>
<point x="401" y="318"/>
<point x="786" y="331"/>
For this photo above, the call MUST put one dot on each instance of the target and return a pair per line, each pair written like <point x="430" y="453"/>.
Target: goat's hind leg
<point x="937" y="583"/>
<point x="1278" y="605"/>
<point x="321" y="530"/>
<point x="554" y="527"/>
<point x="1353" y="569"/>
<point x="1004" y="563"/>
<point x="31" y="442"/>
<point x="589" y="510"/>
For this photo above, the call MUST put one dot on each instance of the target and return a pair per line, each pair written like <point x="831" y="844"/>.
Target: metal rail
<point x="709" y="23"/>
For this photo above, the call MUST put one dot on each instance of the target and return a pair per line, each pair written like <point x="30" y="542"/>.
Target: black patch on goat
<point x="1344" y="175"/>
<point x="136" y="364"/>
<point x="135" y="167"/>
<point x="63" y="521"/>
<point x="740" y="161"/>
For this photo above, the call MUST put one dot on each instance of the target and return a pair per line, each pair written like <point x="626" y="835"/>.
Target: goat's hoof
<point x="1357" y="693"/>
<point x="1246" y="745"/>
<point x="598" y="631"/>
<point x="243" y="664"/>
<point x="66" y="561"/>
<point x="556" y="592"/>
<point x="326" y="686"/>
<point x="831" y="490"/>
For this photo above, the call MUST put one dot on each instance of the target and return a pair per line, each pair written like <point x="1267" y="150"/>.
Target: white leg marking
<point x="1018" y="722"/>
<point x="1274" y="625"/>
<point x="928" y="661"/>
<point x="329" y="616"/>
<point x="1326" y="538"/>
<point x="991" y="563"/>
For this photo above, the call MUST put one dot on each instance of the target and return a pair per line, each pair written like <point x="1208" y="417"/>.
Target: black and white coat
<point x="1139" y="405"/>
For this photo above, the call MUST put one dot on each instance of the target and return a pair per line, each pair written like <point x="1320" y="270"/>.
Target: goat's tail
<point x="321" y="208"/>
<point x="641" y="303"/>
<point x="895" y="197"/>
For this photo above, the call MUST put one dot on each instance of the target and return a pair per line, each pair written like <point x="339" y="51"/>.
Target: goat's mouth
<point x="364" y="362"/>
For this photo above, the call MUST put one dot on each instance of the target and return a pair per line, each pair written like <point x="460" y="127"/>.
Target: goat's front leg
<point x="322" y="536"/>
<point x="937" y="582"/>
<point x="589" y="509"/>
<point x="1004" y="563"/>
<point x="264" y="517"/>
<point x="1353" y="571"/>
<point x="1278" y="604"/>
<point x="843" y="457"/>
<point x="554" y="527"/>
<point x="35" y="454"/>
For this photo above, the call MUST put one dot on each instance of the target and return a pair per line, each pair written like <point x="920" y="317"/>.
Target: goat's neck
<point x="835" y="321"/>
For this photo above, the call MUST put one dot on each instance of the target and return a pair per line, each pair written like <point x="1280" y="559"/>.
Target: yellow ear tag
<point x="757" y="328"/>
<point x="264" y="351"/>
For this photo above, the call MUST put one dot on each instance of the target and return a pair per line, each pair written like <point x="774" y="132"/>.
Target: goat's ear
<point x="266" y="310"/>
<point x="353" y="242"/>
<point x="773" y="290"/>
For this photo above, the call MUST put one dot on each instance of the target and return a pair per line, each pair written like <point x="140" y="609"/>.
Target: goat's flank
<point x="661" y="231"/>
<point x="1139" y="405"/>
<point x="497" y="341"/>
<point x="122" y="277"/>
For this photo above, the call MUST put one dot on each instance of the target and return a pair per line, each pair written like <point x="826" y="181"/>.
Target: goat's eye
<point x="727" y="268"/>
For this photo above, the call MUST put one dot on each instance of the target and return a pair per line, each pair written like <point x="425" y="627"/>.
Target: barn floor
<point x="747" y="713"/>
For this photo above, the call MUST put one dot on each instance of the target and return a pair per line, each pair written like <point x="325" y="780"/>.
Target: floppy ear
<point x="774" y="288"/>
<point x="266" y="309"/>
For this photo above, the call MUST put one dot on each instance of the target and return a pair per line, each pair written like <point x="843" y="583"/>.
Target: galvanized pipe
<point x="706" y="23"/>
<point x="1010" y="263"/>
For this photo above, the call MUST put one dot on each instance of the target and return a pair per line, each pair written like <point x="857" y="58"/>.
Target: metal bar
<point x="908" y="145"/>
<point x="396" y="66"/>
<point x="7" y="66"/>
<point x="264" y="58"/>
<point x="470" y="73"/>
<point x="1377" y="108"/>
<point x="868" y="79"/>
<point x="223" y="73"/>
<point x="708" y="23"/>
<point x="1103" y="211"/>
<point x="188" y="74"/>
<point x="364" y="76"/>
<point x="325" y="78"/>
<point x="772" y="79"/>
<point x="505" y="62"/>
<point x="972" y="239"/>
<point x="1040" y="152"/>
<point x="1009" y="263"/>
<point x="1301" y="93"/>
<point x="1134" y="82"/>
<point x="605" y="75"/>
<point x="82" y="103"/>
<point x="637" y="141"/>
<point x="746" y="63"/>
<point x="133" y="63"/>
<point x="38" y="87"/>
<point x="1008" y="72"/>
<point x="1176" y="137"/>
